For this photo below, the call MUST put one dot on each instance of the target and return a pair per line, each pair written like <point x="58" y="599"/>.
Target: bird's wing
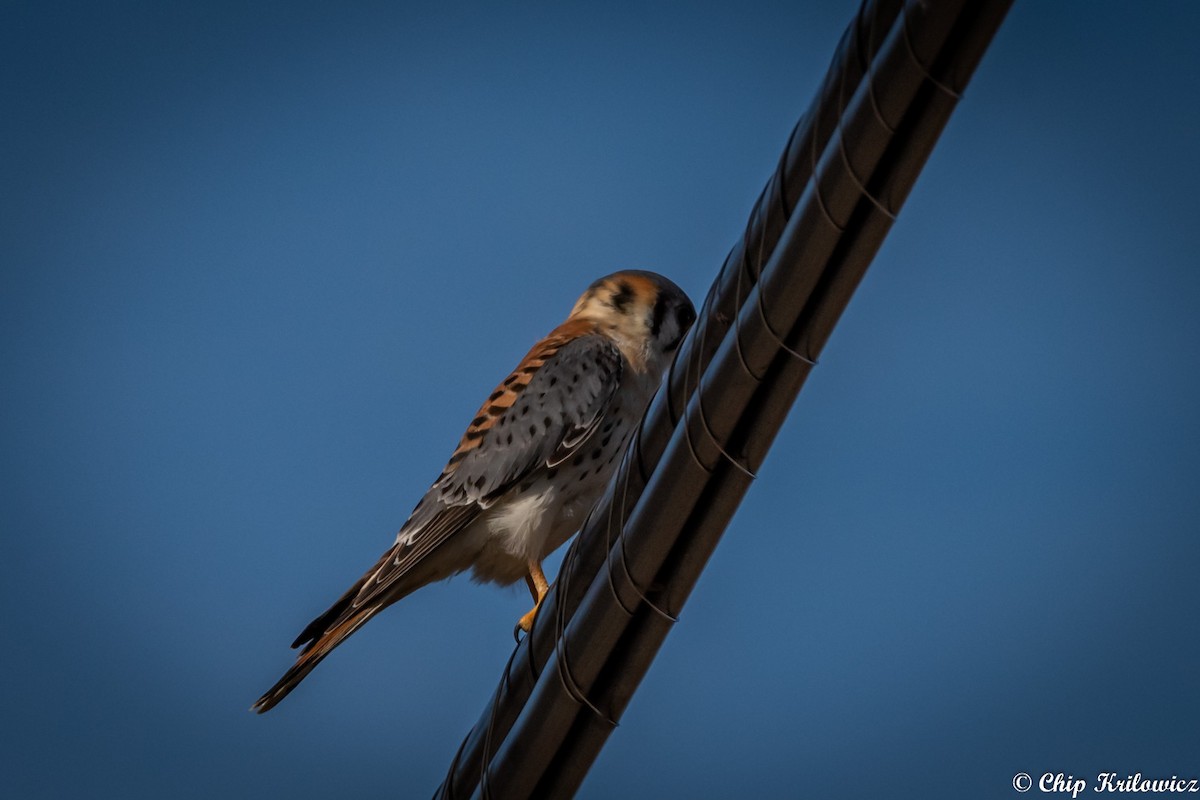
<point x="554" y="403"/>
<point x="536" y="419"/>
<point x="544" y="412"/>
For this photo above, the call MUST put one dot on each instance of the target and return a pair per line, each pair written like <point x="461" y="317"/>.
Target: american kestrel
<point x="531" y="464"/>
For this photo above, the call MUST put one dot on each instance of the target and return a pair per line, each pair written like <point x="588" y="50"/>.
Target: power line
<point x="851" y="161"/>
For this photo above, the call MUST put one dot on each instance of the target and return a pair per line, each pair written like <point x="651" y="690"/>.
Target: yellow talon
<point x="538" y="588"/>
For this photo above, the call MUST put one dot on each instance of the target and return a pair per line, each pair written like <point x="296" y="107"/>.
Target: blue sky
<point x="260" y="265"/>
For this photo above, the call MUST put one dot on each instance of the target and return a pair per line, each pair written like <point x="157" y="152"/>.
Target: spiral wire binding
<point x="634" y="444"/>
<point x="699" y="393"/>
<point x="780" y="175"/>
<point x="737" y="334"/>
<point x="762" y="311"/>
<point x="917" y="61"/>
<point x="841" y="137"/>
<point x="814" y="175"/>
<point x="562" y="664"/>
<point x="487" y="753"/>
<point x="870" y="59"/>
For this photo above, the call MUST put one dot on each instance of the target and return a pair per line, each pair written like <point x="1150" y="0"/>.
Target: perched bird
<point x="530" y="465"/>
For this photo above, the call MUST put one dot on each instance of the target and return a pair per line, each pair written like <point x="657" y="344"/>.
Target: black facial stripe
<point x="658" y="314"/>
<point x="621" y="299"/>
<point x="684" y="317"/>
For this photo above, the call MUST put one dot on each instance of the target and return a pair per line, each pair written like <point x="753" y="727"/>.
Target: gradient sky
<point x="261" y="262"/>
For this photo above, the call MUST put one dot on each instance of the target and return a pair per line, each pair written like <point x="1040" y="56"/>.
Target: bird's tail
<point x="400" y="571"/>
<point x="326" y="632"/>
<point x="322" y="635"/>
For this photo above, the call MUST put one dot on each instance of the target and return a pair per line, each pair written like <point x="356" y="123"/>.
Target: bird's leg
<point x="538" y="587"/>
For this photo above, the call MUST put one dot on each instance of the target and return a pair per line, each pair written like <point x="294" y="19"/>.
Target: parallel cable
<point x="801" y="266"/>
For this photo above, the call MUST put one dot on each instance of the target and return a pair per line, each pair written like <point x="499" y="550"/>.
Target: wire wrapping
<point x="562" y="666"/>
<point x="621" y="544"/>
<point x="699" y="395"/>
<point x="762" y="312"/>
<point x="570" y="685"/>
<point x="484" y="781"/>
<point x="841" y="137"/>
<point x="780" y="175"/>
<point x="870" y="71"/>
<point x="737" y="336"/>
<point x="916" y="60"/>
<point x="814" y="175"/>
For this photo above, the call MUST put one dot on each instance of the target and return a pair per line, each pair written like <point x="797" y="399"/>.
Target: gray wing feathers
<point x="551" y="418"/>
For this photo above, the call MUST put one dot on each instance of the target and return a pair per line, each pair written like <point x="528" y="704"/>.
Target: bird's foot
<point x="525" y="623"/>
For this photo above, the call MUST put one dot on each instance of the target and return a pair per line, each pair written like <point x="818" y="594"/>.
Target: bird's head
<point x="643" y="312"/>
